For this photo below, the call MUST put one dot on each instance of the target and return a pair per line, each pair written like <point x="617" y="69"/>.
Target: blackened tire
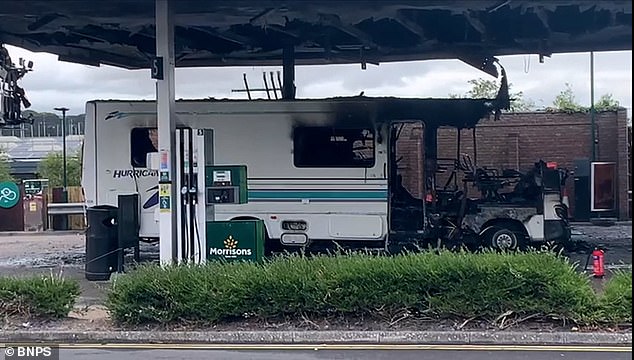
<point x="505" y="239"/>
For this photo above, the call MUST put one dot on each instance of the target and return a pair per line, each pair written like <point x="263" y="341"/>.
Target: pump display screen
<point x="222" y="177"/>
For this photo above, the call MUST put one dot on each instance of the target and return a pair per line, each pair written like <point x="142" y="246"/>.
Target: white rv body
<point x="337" y="203"/>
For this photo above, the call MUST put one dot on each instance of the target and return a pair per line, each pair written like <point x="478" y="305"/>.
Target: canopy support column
<point x="288" y="69"/>
<point x="166" y="122"/>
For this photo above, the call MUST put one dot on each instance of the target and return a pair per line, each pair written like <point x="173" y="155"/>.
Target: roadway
<point x="362" y="352"/>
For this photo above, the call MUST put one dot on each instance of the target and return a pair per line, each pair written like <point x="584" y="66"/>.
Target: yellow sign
<point x="230" y="243"/>
<point x="164" y="190"/>
<point x="32" y="206"/>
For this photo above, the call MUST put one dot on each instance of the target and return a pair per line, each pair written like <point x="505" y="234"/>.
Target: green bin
<point x="235" y="240"/>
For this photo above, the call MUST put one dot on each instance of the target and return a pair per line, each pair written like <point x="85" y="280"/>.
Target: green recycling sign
<point x="9" y="194"/>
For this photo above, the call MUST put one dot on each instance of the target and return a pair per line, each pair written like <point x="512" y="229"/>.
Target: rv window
<point x="142" y="141"/>
<point x="333" y="147"/>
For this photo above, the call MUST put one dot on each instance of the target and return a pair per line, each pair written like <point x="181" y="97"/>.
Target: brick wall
<point x="410" y="148"/>
<point x="622" y="162"/>
<point x="518" y="140"/>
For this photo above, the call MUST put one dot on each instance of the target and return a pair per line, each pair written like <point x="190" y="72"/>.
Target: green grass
<point x="37" y="296"/>
<point x="447" y="284"/>
<point x="616" y="300"/>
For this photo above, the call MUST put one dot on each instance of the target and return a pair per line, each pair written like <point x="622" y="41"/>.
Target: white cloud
<point x="54" y="83"/>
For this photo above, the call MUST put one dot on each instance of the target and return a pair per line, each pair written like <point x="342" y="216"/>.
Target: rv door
<point x="406" y="181"/>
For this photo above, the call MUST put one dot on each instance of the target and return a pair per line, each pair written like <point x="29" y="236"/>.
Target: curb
<point x="591" y="223"/>
<point x="320" y="337"/>
<point x="42" y="233"/>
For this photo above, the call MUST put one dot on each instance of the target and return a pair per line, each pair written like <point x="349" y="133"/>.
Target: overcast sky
<point x="54" y="83"/>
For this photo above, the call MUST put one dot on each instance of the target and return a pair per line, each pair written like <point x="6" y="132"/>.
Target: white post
<point x="165" y="102"/>
<point x="203" y="140"/>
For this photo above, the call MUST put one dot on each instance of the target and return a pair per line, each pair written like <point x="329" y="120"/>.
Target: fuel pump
<point x="237" y="239"/>
<point x="226" y="184"/>
<point x="201" y="187"/>
<point x="193" y="152"/>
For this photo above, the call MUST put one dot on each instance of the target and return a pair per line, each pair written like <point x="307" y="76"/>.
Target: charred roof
<point x="250" y="32"/>
<point x="353" y="111"/>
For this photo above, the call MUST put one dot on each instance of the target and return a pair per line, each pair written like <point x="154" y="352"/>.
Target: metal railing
<point x="66" y="209"/>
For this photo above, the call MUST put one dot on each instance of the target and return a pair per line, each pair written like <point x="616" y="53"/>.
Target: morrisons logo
<point x="230" y="249"/>
<point x="136" y="173"/>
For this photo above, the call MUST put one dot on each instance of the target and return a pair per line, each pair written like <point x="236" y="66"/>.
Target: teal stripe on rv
<point x="316" y="194"/>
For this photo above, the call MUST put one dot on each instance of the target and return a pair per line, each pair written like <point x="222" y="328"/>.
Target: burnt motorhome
<point x="326" y="171"/>
<point x="475" y="206"/>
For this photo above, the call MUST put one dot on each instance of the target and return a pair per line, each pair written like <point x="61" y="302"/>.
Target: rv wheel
<point x="503" y="239"/>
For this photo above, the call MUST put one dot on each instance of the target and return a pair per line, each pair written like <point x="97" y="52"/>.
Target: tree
<point x="488" y="89"/>
<point x="5" y="170"/>
<point x="566" y="101"/>
<point x="483" y="89"/>
<point x="606" y="103"/>
<point x="52" y="168"/>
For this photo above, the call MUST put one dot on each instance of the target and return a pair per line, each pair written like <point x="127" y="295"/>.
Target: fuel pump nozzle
<point x="193" y="193"/>
<point x="190" y="192"/>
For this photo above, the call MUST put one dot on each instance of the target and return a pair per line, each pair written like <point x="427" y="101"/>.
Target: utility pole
<point x="592" y="117"/>
<point x="65" y="181"/>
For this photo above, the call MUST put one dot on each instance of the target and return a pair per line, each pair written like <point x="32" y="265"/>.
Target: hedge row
<point x="446" y="284"/>
<point x="615" y="303"/>
<point x="37" y="296"/>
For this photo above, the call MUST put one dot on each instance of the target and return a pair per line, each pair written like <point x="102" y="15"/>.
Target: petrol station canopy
<point x="255" y="32"/>
<point x="213" y="33"/>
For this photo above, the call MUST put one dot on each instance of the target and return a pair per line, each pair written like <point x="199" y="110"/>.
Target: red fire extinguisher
<point x="597" y="263"/>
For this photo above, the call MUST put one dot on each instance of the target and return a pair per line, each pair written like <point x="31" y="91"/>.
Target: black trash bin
<point x="101" y="242"/>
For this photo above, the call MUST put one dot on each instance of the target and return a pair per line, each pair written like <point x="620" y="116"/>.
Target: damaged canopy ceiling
<point x="231" y="33"/>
